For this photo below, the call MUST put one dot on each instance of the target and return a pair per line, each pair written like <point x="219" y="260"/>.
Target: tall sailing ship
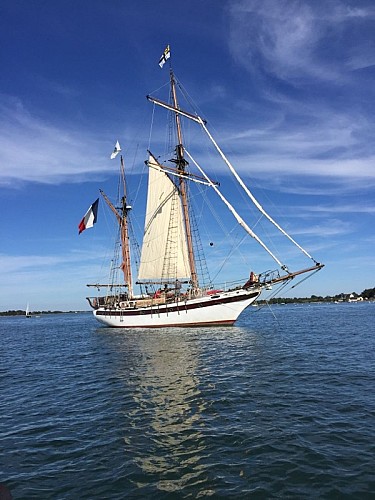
<point x="173" y="290"/>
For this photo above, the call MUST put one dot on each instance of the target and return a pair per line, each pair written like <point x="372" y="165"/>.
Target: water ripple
<point x="272" y="408"/>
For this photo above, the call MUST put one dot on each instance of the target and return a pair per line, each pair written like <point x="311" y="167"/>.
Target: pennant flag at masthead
<point x="116" y="150"/>
<point x="166" y="55"/>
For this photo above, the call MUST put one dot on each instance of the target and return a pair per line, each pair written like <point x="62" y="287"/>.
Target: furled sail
<point x="164" y="255"/>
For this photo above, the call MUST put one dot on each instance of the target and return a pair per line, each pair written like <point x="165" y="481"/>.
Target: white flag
<point x="166" y="55"/>
<point x="116" y="150"/>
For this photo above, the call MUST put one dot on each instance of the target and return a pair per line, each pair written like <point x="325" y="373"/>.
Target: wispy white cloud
<point x="332" y="168"/>
<point x="288" y="39"/>
<point x="35" y="149"/>
<point x="52" y="86"/>
<point x="319" y="121"/>
<point x="354" y="208"/>
<point x="43" y="280"/>
<point x="299" y="138"/>
<point x="329" y="228"/>
<point x="11" y="264"/>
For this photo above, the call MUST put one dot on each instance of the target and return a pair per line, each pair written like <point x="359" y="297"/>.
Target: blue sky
<point x="287" y="88"/>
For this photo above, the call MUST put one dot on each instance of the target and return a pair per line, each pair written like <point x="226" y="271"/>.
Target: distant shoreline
<point x="367" y="295"/>
<point x="38" y="313"/>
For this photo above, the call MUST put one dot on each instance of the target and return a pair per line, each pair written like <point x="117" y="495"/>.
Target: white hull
<point x="220" y="309"/>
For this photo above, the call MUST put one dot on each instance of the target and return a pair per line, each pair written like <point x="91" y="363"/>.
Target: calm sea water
<point x="276" y="407"/>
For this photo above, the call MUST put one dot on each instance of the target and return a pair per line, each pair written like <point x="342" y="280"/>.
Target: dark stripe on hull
<point x="180" y="325"/>
<point x="182" y="307"/>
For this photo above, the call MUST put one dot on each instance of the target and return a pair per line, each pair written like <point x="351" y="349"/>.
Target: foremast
<point x="121" y="214"/>
<point x="181" y="168"/>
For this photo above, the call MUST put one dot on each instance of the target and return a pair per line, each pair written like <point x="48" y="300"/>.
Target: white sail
<point x="164" y="253"/>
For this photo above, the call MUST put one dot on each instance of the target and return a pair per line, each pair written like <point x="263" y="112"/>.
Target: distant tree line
<point x="368" y="294"/>
<point x="19" y="312"/>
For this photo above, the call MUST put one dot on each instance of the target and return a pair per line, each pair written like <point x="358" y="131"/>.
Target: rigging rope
<point x="236" y="215"/>
<point x="248" y="192"/>
<point x="228" y="234"/>
<point x="151" y="127"/>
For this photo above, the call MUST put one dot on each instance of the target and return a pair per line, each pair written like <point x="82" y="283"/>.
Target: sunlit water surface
<point x="280" y="406"/>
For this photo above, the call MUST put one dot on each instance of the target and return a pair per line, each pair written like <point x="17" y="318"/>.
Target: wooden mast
<point x="181" y="164"/>
<point x="122" y="219"/>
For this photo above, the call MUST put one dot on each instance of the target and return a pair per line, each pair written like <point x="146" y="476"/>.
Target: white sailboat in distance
<point x="169" y="275"/>
<point x="27" y="312"/>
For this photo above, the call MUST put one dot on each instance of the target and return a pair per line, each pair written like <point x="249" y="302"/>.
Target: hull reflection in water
<point x="167" y="411"/>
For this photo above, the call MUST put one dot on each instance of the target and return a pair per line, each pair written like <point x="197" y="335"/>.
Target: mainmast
<point x="121" y="214"/>
<point x="181" y="165"/>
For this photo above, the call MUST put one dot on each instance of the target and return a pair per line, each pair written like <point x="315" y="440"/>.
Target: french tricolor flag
<point x="90" y="217"/>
